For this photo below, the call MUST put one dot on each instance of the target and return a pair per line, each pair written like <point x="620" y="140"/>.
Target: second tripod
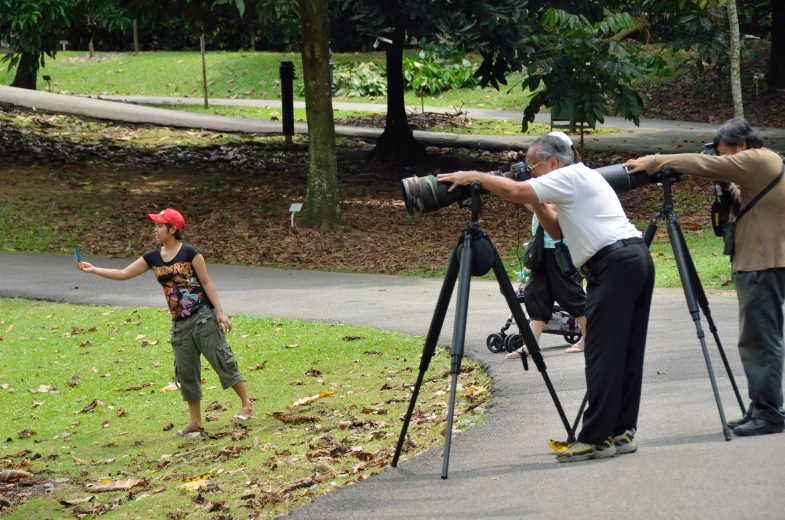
<point x="478" y="255"/>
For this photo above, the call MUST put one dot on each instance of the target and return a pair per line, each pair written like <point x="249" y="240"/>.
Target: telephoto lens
<point x="425" y="194"/>
<point x="623" y="182"/>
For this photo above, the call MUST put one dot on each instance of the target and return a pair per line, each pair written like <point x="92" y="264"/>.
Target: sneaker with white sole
<point x="582" y="451"/>
<point x="625" y="443"/>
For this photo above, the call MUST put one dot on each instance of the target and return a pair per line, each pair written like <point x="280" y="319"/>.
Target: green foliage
<point x="359" y="79"/>
<point x="650" y="65"/>
<point x="31" y="27"/>
<point x="700" y="26"/>
<point x="580" y="67"/>
<point x="440" y="67"/>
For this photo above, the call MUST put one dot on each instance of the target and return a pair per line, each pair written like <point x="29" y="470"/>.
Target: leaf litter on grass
<point x="306" y="439"/>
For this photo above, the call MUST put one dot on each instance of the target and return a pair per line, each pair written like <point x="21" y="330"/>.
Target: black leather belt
<point x="605" y="251"/>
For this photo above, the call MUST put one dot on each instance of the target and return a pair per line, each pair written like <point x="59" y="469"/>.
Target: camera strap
<point x="760" y="195"/>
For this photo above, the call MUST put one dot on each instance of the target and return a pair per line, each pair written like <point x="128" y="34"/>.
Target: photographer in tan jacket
<point x="758" y="263"/>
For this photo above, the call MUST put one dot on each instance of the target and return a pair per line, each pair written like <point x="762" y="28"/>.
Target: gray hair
<point x="549" y="146"/>
<point x="735" y="131"/>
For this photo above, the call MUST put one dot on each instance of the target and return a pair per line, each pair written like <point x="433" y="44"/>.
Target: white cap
<point x="564" y="137"/>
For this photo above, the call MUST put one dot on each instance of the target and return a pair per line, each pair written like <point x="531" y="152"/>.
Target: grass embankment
<point x="245" y="75"/>
<point x="58" y="360"/>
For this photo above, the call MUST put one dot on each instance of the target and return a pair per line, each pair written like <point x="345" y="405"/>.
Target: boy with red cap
<point x="198" y="320"/>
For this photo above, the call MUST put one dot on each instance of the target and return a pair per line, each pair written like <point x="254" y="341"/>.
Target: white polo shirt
<point x="590" y="214"/>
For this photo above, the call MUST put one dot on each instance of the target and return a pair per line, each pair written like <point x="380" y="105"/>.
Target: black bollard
<point x="286" y="71"/>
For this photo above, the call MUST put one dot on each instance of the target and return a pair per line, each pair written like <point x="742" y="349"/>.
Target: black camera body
<point x="724" y="226"/>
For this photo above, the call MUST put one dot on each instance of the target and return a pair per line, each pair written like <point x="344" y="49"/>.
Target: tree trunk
<point x="776" y="74"/>
<point x="136" y="35"/>
<point x="91" y="48"/>
<point x="253" y="41"/>
<point x="322" y="205"/>
<point x="397" y="140"/>
<point x="204" y="68"/>
<point x="735" y="60"/>
<point x="26" y="72"/>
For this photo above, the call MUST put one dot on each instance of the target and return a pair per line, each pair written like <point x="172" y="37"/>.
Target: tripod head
<point x="667" y="178"/>
<point x="475" y="204"/>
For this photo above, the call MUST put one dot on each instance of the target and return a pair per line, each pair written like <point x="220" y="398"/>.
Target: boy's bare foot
<point x="245" y="413"/>
<point x="190" y="428"/>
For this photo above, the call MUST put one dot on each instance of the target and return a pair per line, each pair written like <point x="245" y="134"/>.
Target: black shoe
<point x="739" y="422"/>
<point x="758" y="427"/>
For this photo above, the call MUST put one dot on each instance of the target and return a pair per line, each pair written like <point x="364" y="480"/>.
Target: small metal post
<point x="286" y="71"/>
<point x="332" y="65"/>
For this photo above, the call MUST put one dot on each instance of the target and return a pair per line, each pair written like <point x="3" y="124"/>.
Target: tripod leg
<point x="651" y="229"/>
<point x="528" y="337"/>
<point x="580" y="411"/>
<point x="458" y="339"/>
<point x="430" y="345"/>
<point x="703" y="302"/>
<point x="679" y="253"/>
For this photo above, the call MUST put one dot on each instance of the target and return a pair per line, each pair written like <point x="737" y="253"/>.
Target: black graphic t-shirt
<point x="184" y="293"/>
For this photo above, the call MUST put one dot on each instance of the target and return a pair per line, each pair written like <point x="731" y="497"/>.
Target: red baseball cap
<point x="168" y="216"/>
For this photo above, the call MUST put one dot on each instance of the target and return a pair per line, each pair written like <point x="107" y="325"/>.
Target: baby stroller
<point x="561" y="323"/>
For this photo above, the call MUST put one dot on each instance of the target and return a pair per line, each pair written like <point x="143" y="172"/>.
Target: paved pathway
<point x="501" y="468"/>
<point x="653" y="135"/>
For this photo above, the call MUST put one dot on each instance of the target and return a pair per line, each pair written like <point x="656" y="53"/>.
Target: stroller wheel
<point x="572" y="339"/>
<point x="513" y="342"/>
<point x="495" y="342"/>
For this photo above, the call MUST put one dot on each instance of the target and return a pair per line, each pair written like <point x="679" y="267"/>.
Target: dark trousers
<point x="547" y="284"/>
<point x="761" y="295"/>
<point x="618" y="302"/>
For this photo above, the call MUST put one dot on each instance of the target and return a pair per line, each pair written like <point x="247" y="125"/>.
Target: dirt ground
<point x="237" y="210"/>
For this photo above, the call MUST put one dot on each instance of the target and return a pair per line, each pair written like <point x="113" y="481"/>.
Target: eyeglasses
<point x="529" y="167"/>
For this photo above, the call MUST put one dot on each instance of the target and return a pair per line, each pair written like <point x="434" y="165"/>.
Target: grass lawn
<point x="58" y="360"/>
<point x="248" y="75"/>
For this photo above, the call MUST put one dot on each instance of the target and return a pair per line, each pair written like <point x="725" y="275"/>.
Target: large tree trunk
<point x="322" y="205"/>
<point x="735" y="60"/>
<point x="397" y="141"/>
<point x="136" y="35"/>
<point x="776" y="75"/>
<point x="26" y="72"/>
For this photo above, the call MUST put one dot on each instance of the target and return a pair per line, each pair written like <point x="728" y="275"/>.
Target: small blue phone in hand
<point x="78" y="257"/>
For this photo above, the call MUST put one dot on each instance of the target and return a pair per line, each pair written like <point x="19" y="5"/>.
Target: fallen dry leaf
<point x="12" y="475"/>
<point x="258" y="366"/>
<point x="171" y="386"/>
<point x="114" y="485"/>
<point x="311" y="399"/>
<point x="77" y="501"/>
<point x="90" y="407"/>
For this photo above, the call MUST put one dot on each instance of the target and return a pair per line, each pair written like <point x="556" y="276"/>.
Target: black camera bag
<point x="534" y="254"/>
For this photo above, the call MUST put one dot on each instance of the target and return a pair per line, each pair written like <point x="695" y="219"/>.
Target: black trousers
<point x="548" y="284"/>
<point x="618" y="302"/>
<point x="761" y="346"/>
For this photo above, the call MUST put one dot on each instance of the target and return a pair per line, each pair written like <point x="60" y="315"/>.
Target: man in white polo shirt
<point x="609" y="250"/>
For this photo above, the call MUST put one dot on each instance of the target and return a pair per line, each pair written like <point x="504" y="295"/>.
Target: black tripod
<point x="693" y="291"/>
<point x="469" y="237"/>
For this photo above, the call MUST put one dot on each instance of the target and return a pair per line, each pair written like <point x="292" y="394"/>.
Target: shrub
<point x="440" y="67"/>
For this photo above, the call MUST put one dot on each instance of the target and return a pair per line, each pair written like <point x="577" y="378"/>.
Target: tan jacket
<point x="760" y="234"/>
